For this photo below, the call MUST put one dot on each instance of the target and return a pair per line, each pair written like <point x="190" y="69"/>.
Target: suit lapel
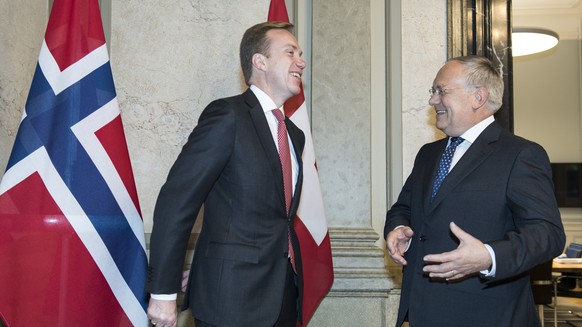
<point x="266" y="138"/>
<point x="475" y="155"/>
<point x="298" y="140"/>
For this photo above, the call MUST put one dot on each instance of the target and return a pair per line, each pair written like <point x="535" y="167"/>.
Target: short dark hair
<point x="255" y="40"/>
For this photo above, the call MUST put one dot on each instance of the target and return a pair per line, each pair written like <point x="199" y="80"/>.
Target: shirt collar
<point x="472" y="133"/>
<point x="266" y="102"/>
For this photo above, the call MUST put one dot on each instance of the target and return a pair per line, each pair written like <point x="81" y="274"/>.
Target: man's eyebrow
<point x="294" y="47"/>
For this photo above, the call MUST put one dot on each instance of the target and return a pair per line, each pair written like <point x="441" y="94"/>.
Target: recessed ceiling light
<point x="527" y="41"/>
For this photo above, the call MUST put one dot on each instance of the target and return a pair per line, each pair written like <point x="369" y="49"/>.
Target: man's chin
<point x="295" y="92"/>
<point x="440" y="125"/>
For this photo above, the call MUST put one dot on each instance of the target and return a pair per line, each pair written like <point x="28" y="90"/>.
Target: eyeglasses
<point x="440" y="91"/>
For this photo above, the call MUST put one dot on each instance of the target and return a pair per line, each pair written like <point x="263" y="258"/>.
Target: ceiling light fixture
<point x="527" y="41"/>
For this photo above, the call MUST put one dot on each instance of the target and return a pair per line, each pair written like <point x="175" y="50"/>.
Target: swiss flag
<point x="310" y="223"/>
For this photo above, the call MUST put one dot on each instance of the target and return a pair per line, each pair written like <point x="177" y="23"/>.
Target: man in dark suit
<point x="242" y="272"/>
<point x="467" y="250"/>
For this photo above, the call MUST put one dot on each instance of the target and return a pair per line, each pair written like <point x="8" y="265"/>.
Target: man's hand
<point x="163" y="313"/>
<point x="397" y="243"/>
<point x="471" y="256"/>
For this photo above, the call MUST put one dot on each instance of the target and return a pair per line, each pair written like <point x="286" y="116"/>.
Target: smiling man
<point x="477" y="212"/>
<point x="243" y="162"/>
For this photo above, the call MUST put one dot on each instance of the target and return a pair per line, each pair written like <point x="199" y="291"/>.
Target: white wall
<point x="547" y="94"/>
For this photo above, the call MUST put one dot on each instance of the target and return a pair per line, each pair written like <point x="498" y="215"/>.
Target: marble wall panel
<point x="341" y="108"/>
<point x="22" y="27"/>
<point x="170" y="59"/>
<point x="424" y="51"/>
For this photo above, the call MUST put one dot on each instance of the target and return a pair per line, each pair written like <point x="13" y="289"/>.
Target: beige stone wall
<point x="170" y="59"/>
<point x="424" y="51"/>
<point x="22" y="27"/>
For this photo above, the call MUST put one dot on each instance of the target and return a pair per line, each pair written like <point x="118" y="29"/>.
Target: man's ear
<point x="480" y="97"/>
<point x="260" y="61"/>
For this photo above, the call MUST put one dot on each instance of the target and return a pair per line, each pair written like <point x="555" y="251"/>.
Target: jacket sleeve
<point x="539" y="233"/>
<point x="189" y="181"/>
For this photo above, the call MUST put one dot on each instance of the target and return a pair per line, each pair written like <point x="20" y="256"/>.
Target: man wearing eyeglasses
<point x="476" y="214"/>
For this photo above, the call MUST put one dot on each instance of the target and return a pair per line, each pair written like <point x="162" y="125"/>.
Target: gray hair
<point x="480" y="71"/>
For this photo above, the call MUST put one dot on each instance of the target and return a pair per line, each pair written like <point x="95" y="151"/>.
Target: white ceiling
<point x="561" y="16"/>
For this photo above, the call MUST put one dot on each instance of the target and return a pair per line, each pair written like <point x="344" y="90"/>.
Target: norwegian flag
<point x="310" y="223"/>
<point x="72" y="249"/>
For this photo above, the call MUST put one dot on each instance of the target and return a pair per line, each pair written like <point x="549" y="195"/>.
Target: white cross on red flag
<point x="310" y="222"/>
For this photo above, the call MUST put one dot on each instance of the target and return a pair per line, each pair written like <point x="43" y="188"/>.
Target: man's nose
<point x="301" y="63"/>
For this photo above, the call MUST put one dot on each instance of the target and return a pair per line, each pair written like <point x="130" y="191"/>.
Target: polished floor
<point x="569" y="313"/>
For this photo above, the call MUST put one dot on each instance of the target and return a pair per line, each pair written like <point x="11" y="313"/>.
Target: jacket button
<point x="422" y="238"/>
<point x="285" y="254"/>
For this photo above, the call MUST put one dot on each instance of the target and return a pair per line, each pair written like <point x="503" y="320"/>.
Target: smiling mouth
<point x="440" y="112"/>
<point x="296" y="75"/>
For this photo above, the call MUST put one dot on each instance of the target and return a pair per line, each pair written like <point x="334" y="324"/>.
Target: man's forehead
<point x="279" y="33"/>
<point x="450" y="73"/>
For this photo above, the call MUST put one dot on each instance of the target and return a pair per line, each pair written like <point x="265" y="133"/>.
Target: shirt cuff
<point x="165" y="297"/>
<point x="490" y="273"/>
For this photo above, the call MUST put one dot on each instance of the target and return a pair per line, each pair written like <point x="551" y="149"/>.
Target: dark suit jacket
<point x="231" y="165"/>
<point x="500" y="192"/>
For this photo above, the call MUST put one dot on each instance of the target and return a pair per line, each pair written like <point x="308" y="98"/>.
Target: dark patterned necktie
<point x="445" y="164"/>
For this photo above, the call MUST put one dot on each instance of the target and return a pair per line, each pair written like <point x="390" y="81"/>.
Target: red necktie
<point x="285" y="157"/>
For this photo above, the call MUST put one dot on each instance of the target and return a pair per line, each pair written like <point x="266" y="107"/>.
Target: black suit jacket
<point x="231" y="165"/>
<point x="500" y="192"/>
